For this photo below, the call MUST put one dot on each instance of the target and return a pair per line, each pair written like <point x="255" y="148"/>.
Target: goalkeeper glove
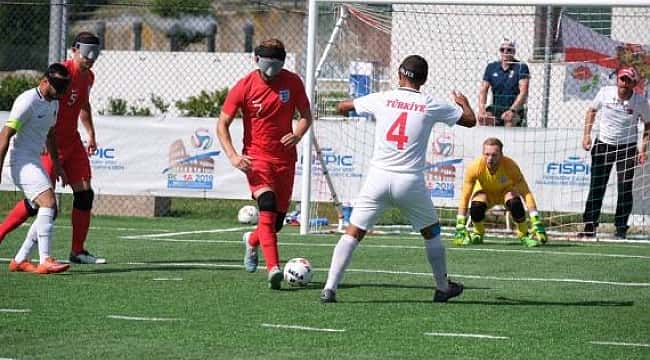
<point x="538" y="229"/>
<point x="461" y="237"/>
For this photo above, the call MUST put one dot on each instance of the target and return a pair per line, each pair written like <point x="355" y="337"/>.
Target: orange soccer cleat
<point x="24" y="266"/>
<point x="51" y="266"/>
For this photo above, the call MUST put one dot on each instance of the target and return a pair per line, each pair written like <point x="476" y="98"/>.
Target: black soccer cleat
<point x="454" y="289"/>
<point x="327" y="296"/>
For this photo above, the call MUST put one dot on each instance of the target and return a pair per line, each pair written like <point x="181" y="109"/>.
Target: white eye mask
<point x="269" y="66"/>
<point x="89" y="51"/>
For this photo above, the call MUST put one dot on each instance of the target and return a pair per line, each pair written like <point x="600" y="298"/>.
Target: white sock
<point x="26" y="248"/>
<point x="436" y="256"/>
<point x="44" y="224"/>
<point x="340" y="260"/>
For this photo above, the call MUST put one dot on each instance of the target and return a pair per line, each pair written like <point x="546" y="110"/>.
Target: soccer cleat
<point x="454" y="289"/>
<point x="621" y="232"/>
<point x="527" y="241"/>
<point x="51" y="266"/>
<point x="85" y="257"/>
<point x="327" y="296"/>
<point x="475" y="238"/>
<point x="24" y="266"/>
<point x="275" y="278"/>
<point x="251" y="258"/>
<point x="588" y="232"/>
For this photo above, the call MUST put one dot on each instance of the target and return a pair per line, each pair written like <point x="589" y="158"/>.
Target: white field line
<point x="391" y="272"/>
<point x="613" y="343"/>
<point x="212" y="231"/>
<point x="167" y="279"/>
<point x="375" y="246"/>
<point x="298" y="327"/>
<point x="15" y="311"/>
<point x="139" y="318"/>
<point x="6" y="359"/>
<point x="479" y="336"/>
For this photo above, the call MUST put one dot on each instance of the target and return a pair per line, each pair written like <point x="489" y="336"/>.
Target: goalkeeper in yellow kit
<point x="493" y="179"/>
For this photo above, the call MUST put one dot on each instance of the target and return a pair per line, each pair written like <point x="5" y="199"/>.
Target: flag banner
<point x="592" y="60"/>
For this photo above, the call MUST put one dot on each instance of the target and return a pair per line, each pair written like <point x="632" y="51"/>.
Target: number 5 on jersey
<point x="396" y="132"/>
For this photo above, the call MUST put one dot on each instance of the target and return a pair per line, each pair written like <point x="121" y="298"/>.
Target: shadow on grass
<point x="504" y="301"/>
<point x="142" y="268"/>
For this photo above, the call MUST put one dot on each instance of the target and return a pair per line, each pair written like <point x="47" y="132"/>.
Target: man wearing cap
<point x="404" y="119"/>
<point x="620" y="110"/>
<point x="29" y="129"/>
<point x="508" y="78"/>
<point x="74" y="105"/>
<point x="268" y="99"/>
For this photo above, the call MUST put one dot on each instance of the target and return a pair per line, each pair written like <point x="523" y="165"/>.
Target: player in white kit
<point x="29" y="129"/>
<point x="404" y="120"/>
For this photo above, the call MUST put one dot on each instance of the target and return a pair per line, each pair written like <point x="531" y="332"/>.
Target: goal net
<point x="571" y="54"/>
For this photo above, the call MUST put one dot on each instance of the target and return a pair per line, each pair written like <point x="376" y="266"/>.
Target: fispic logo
<point x="573" y="165"/>
<point x="107" y="153"/>
<point x="330" y="157"/>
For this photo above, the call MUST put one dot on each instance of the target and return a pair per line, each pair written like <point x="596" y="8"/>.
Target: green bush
<point x="116" y="106"/>
<point x="206" y="104"/>
<point x="12" y="86"/>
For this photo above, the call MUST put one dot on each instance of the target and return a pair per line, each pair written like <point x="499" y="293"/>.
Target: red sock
<point x="16" y="216"/>
<point x="80" y="225"/>
<point x="267" y="237"/>
<point x="254" y="239"/>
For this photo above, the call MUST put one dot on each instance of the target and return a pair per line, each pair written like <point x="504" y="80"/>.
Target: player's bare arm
<point x="482" y="99"/>
<point x="467" y="119"/>
<point x="345" y="106"/>
<point x="293" y="138"/>
<point x="241" y="162"/>
<point x="85" y="115"/>
<point x="52" y="149"/>
<point x="590" y="118"/>
<point x="5" y="137"/>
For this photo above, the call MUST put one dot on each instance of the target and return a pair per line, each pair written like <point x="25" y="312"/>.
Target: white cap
<point x="508" y="42"/>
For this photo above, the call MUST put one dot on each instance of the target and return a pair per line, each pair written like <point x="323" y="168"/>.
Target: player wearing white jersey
<point x="31" y="120"/>
<point x="404" y="120"/>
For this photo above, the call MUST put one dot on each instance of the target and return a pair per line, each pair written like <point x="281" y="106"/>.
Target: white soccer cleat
<point x="85" y="257"/>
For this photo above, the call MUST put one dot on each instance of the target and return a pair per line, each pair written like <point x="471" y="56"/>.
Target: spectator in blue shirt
<point x="508" y="78"/>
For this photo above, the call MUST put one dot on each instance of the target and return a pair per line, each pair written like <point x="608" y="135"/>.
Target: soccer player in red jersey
<point x="268" y="99"/>
<point x="73" y="155"/>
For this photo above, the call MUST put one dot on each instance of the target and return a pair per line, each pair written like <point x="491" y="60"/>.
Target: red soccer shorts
<point x="279" y="177"/>
<point x="74" y="160"/>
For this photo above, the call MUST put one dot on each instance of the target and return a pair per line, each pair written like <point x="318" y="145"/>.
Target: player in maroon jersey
<point x="268" y="99"/>
<point x="73" y="155"/>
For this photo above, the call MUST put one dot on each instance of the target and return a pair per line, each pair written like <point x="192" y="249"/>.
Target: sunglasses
<point x="626" y="79"/>
<point x="507" y="50"/>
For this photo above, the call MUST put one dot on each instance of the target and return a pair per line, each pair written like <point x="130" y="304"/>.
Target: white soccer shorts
<point x="383" y="189"/>
<point x="30" y="177"/>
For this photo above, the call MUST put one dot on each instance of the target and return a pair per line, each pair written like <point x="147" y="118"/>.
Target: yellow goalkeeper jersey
<point x="508" y="177"/>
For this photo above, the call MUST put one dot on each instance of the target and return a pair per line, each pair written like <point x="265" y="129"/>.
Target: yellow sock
<point x="522" y="229"/>
<point x="479" y="228"/>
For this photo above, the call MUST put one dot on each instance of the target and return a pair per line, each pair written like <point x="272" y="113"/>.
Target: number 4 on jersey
<point x="396" y="132"/>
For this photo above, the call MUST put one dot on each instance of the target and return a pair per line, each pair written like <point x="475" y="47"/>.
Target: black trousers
<point x="603" y="157"/>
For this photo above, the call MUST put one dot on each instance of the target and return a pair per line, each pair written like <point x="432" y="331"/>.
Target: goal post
<point x="459" y="38"/>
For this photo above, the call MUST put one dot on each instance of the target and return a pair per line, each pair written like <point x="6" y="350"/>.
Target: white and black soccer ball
<point x="247" y="215"/>
<point x="298" y="272"/>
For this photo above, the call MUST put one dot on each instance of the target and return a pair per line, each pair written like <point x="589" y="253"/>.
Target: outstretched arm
<point x="467" y="119"/>
<point x="345" y="106"/>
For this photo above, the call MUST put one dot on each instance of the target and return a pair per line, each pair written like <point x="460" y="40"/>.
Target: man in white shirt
<point x="29" y="129"/>
<point x="620" y="111"/>
<point x="404" y="120"/>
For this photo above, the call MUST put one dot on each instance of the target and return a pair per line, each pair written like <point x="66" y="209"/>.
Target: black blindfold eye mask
<point x="60" y="85"/>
